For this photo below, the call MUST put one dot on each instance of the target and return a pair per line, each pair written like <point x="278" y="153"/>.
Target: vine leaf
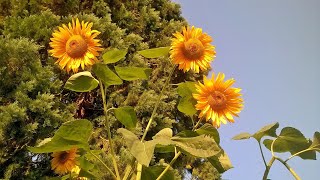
<point x="81" y="82"/>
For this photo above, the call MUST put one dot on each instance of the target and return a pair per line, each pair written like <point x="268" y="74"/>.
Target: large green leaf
<point x="163" y="141"/>
<point x="70" y="134"/>
<point x="155" y="52"/>
<point x="152" y="173"/>
<point x="113" y="56"/>
<point x="221" y="162"/>
<point x="209" y="130"/>
<point x="187" y="105"/>
<point x="133" y="73"/>
<point x="127" y="116"/>
<point x="186" y="89"/>
<point x="293" y="141"/>
<point x="81" y="82"/>
<point x="107" y="76"/>
<point x="269" y="130"/>
<point x="242" y="136"/>
<point x="316" y="142"/>
<point x="187" y="102"/>
<point x="199" y="146"/>
<point x="143" y="152"/>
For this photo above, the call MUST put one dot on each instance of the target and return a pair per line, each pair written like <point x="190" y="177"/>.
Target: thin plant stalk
<point x="139" y="166"/>
<point x="266" y="172"/>
<point x="109" y="170"/>
<point x="114" y="161"/>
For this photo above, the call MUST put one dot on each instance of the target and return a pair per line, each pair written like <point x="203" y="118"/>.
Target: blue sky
<point x="272" y="49"/>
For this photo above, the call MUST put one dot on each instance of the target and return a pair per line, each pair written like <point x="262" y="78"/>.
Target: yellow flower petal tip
<point x="64" y="162"/>
<point x="217" y="100"/>
<point x="191" y="49"/>
<point x="75" y="45"/>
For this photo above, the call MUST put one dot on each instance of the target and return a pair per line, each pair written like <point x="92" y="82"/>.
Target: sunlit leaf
<point x="155" y="52"/>
<point x="133" y="73"/>
<point x="208" y="129"/>
<point x="70" y="134"/>
<point x="187" y="105"/>
<point x="81" y="82"/>
<point x="291" y="140"/>
<point x="127" y="116"/>
<point x="143" y="152"/>
<point x="107" y="76"/>
<point x="242" y="136"/>
<point x="221" y="162"/>
<point x="186" y="89"/>
<point x="269" y="130"/>
<point x="316" y="142"/>
<point x="113" y="56"/>
<point x="199" y="146"/>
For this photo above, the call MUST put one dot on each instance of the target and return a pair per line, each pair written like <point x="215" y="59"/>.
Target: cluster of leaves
<point x="289" y="140"/>
<point x="33" y="104"/>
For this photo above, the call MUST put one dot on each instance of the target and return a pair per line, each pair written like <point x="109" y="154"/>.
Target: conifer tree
<point x="33" y="102"/>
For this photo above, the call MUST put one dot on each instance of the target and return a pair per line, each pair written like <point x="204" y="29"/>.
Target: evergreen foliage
<point x="33" y="102"/>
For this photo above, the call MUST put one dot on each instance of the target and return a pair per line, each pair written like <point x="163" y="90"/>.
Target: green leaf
<point x="187" y="133"/>
<point x="127" y="116"/>
<point x="187" y="106"/>
<point x="209" y="130"/>
<point x="143" y="152"/>
<point x="133" y="73"/>
<point x="85" y="164"/>
<point x="199" y="146"/>
<point x="152" y="173"/>
<point x="163" y="141"/>
<point x="113" y="56"/>
<point x="269" y="130"/>
<point x="186" y="89"/>
<point x="88" y="174"/>
<point x="107" y="76"/>
<point x="81" y="82"/>
<point x="316" y="142"/>
<point x="241" y="136"/>
<point x="187" y="102"/>
<point x="293" y="141"/>
<point x="155" y="52"/>
<point x="70" y="134"/>
<point x="221" y="162"/>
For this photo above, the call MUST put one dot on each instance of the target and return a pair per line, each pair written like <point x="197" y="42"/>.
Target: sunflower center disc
<point x="76" y="46"/>
<point x="63" y="157"/>
<point x="217" y="100"/>
<point x="193" y="48"/>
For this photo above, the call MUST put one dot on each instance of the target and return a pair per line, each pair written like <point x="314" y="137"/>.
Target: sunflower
<point x="217" y="100"/>
<point x="74" y="45"/>
<point x="64" y="161"/>
<point x="192" y="49"/>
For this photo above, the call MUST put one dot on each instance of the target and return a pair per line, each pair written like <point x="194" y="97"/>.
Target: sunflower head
<point x="75" y="45"/>
<point x="191" y="49"/>
<point x="64" y="161"/>
<point x="217" y="100"/>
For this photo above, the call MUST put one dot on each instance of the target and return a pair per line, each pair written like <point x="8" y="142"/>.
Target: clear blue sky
<point x="272" y="49"/>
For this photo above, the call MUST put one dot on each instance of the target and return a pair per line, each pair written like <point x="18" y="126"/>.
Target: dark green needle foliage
<point x="33" y="103"/>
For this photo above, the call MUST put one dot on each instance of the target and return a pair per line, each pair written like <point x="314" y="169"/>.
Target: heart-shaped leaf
<point x="155" y="52"/>
<point x="242" y="136"/>
<point x="221" y="162"/>
<point x="133" y="73"/>
<point x="113" y="56"/>
<point x="107" y="76"/>
<point x="127" y="116"/>
<point x="269" y="130"/>
<point x="81" y="82"/>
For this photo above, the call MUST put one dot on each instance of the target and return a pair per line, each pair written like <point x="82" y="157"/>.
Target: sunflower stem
<point x="264" y="160"/>
<point x="266" y="172"/>
<point x="294" y="174"/>
<point x="109" y="170"/>
<point x="114" y="161"/>
<point x="139" y="166"/>
<point x="169" y="165"/>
